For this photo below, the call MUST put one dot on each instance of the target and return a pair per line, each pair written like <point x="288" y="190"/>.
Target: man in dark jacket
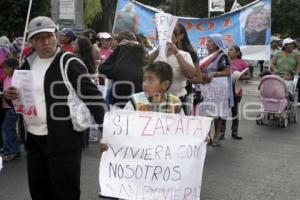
<point x="53" y="148"/>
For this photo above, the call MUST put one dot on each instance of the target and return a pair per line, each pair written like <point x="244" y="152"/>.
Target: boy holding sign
<point x="157" y="80"/>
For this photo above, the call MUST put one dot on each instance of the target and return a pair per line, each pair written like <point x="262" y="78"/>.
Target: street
<point x="265" y="165"/>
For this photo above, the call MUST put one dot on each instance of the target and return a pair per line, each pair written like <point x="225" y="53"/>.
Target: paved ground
<point x="263" y="166"/>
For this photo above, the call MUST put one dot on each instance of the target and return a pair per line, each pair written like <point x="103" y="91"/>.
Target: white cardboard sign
<point x="153" y="155"/>
<point x="215" y="95"/>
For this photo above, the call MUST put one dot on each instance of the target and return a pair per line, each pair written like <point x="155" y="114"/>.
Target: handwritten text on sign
<point x="153" y="155"/>
<point x="165" y="26"/>
<point x="215" y="95"/>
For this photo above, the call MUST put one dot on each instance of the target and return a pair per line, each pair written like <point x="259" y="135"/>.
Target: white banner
<point x="153" y="155"/>
<point x="67" y="9"/>
<point x="215" y="95"/>
<point x="235" y="6"/>
<point x="165" y="25"/>
<point x="216" y="5"/>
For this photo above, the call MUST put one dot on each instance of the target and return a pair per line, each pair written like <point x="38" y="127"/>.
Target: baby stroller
<point x="276" y="103"/>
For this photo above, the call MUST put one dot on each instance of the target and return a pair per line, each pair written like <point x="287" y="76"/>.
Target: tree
<point x="91" y="9"/>
<point x="286" y="18"/>
<point x="14" y="13"/>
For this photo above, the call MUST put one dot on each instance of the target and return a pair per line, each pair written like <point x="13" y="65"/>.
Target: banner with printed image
<point x="248" y="27"/>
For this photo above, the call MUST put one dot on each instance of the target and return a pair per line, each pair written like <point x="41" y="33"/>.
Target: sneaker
<point x="9" y="157"/>
<point x="216" y="143"/>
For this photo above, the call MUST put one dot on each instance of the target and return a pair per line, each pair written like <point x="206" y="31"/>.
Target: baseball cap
<point x="104" y="35"/>
<point x="4" y="41"/>
<point x="287" y="41"/>
<point x="41" y="24"/>
<point x="69" y="33"/>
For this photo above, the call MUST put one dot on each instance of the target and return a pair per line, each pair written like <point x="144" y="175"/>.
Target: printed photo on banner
<point x="153" y="155"/>
<point x="256" y="24"/>
<point x="126" y="19"/>
<point x="230" y="25"/>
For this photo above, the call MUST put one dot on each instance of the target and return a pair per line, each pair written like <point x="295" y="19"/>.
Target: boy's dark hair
<point x="12" y="63"/>
<point x="162" y="70"/>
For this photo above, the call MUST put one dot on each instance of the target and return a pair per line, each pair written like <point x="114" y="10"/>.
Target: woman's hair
<point x="86" y="53"/>
<point x="11" y="63"/>
<point x="125" y="35"/>
<point x="133" y="45"/>
<point x="185" y="42"/>
<point x="91" y="35"/>
<point x="238" y="50"/>
<point x="162" y="70"/>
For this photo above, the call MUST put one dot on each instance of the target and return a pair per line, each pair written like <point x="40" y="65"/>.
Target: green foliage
<point x="286" y="18"/>
<point x="198" y="8"/>
<point x="91" y="9"/>
<point x="14" y="13"/>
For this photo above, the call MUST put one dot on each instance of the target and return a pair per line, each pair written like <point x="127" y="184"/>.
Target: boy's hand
<point x="11" y="93"/>
<point x="103" y="146"/>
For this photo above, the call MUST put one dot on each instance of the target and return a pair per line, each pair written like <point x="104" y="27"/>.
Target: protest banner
<point x="153" y="155"/>
<point x="25" y="103"/>
<point x="67" y="9"/>
<point x="249" y="27"/>
<point x="235" y="6"/>
<point x="216" y="5"/>
<point x="165" y="24"/>
<point x="215" y="95"/>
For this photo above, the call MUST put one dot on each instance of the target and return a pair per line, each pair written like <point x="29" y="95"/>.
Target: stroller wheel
<point x="285" y="122"/>
<point x="295" y="118"/>
<point x="258" y="122"/>
<point x="281" y="122"/>
<point x="259" y="119"/>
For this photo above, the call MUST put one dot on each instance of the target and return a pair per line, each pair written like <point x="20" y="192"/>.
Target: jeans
<point x="235" y="116"/>
<point x="9" y="133"/>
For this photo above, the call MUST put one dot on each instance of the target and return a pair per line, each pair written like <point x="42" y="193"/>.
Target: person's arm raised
<point x="152" y="56"/>
<point x="187" y="68"/>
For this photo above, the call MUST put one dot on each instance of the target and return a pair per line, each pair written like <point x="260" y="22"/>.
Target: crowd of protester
<point x="139" y="80"/>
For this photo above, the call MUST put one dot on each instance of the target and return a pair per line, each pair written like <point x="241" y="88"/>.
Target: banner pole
<point x="208" y="8"/>
<point x="25" y="30"/>
<point x="115" y="19"/>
